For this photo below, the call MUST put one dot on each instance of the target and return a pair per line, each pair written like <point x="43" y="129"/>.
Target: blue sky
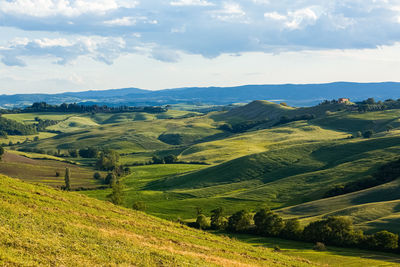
<point x="71" y="45"/>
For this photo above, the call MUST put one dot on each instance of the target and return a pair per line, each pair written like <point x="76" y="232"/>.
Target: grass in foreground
<point x="44" y="226"/>
<point x="333" y="256"/>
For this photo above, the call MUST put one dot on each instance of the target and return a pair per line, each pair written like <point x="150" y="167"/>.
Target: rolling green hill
<point x="278" y="165"/>
<point x="47" y="227"/>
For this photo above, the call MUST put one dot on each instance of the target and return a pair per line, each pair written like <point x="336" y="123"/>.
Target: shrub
<point x="319" y="246"/>
<point x="139" y="205"/>
<point x="202" y="222"/>
<point x="368" y="134"/>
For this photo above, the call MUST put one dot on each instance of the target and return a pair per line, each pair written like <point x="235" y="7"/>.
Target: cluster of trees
<point x="107" y="160"/>
<point x="371" y="105"/>
<point x="386" y="173"/>
<point x="338" y="231"/>
<point x="11" y="127"/>
<point x="41" y="125"/>
<point x="286" y="119"/>
<point x="77" y="108"/>
<point x="169" y="159"/>
<point x="242" y="126"/>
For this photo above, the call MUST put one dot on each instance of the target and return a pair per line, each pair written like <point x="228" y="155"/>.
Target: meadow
<point x="286" y="166"/>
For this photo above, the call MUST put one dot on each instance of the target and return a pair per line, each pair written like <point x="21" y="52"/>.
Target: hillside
<point x="43" y="226"/>
<point x="293" y="94"/>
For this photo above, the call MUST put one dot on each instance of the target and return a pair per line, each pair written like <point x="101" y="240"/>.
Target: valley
<point x="257" y="155"/>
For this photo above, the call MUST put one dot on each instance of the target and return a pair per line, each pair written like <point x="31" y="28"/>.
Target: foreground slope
<point x="43" y="226"/>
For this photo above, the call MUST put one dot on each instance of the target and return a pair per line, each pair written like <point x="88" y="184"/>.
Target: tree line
<point x="333" y="230"/>
<point x="78" y="108"/>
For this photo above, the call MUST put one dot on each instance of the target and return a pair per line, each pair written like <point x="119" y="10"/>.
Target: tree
<point x="170" y="159"/>
<point x="368" y="134"/>
<point x="97" y="176"/>
<point x="384" y="240"/>
<point x="108" y="160"/>
<point x="110" y="178"/>
<point x="1" y="151"/>
<point x="36" y="138"/>
<point x="202" y="222"/>
<point x="239" y="221"/>
<point x="67" y="178"/>
<point x="389" y="128"/>
<point x="357" y="134"/>
<point x="74" y="153"/>
<point x="218" y="221"/>
<point x="89" y="152"/>
<point x="268" y="223"/>
<point x="157" y="160"/>
<point x="333" y="230"/>
<point x="117" y="191"/>
<point x="292" y="229"/>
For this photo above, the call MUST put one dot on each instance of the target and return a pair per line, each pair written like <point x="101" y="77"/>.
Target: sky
<point x="50" y="46"/>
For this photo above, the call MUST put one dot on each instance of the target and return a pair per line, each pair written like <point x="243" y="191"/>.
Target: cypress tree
<point x="67" y="179"/>
<point x="116" y="194"/>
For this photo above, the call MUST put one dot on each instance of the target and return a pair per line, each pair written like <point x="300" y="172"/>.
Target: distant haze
<point x="292" y="94"/>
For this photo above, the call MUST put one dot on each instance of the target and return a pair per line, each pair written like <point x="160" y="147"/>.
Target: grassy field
<point x="287" y="167"/>
<point x="47" y="227"/>
<point x="281" y="166"/>
<point x="333" y="256"/>
<point x="39" y="168"/>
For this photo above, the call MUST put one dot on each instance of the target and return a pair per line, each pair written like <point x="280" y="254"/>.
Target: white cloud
<point x="274" y="16"/>
<point x="68" y="8"/>
<point x="124" y="21"/>
<point x="191" y="3"/>
<point x="104" y="49"/>
<point x="296" y="19"/>
<point x="301" y="17"/>
<point x="230" y="11"/>
<point x="201" y="27"/>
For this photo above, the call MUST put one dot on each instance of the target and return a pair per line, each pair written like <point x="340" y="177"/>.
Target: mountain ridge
<point x="293" y="94"/>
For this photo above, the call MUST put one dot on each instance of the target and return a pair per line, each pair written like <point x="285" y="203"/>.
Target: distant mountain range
<point x="292" y="94"/>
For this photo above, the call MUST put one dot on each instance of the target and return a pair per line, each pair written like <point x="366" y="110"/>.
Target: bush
<point x="202" y="222"/>
<point x="319" y="246"/>
<point x="139" y="205"/>
<point x="368" y="134"/>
